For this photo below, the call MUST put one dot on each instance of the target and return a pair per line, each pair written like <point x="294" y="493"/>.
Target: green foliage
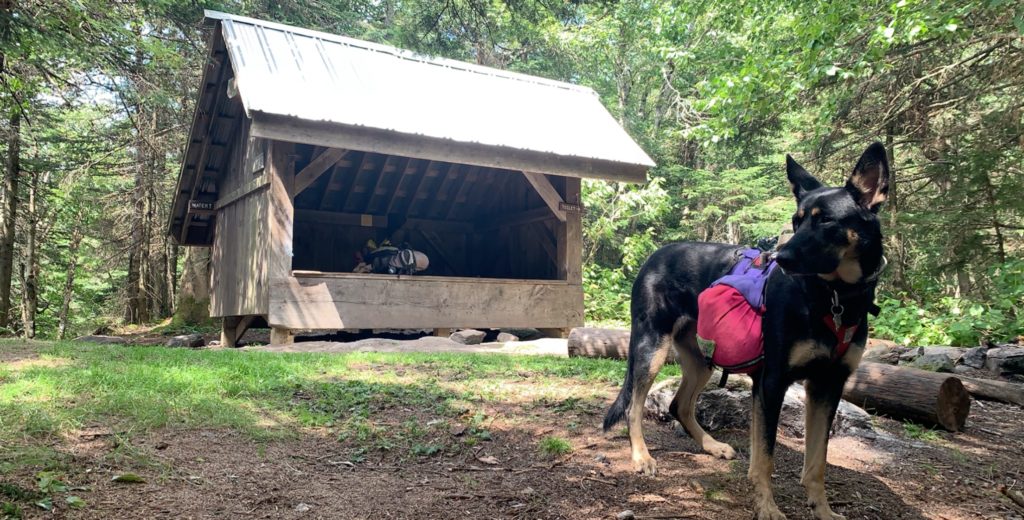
<point x="553" y="446"/>
<point x="958" y="321"/>
<point x="915" y="431"/>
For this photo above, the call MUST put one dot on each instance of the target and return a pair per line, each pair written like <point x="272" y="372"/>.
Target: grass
<point x="915" y="431"/>
<point x="268" y="396"/>
<point x="553" y="446"/>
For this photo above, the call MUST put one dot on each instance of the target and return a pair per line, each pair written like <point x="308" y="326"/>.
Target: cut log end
<point x="954" y="404"/>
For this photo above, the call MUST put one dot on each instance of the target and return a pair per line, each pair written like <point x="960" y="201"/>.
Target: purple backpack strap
<point x="749" y="275"/>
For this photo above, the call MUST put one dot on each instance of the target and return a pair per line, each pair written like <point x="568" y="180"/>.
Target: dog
<point x="828" y="270"/>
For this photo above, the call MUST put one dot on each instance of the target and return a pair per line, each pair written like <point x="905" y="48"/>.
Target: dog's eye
<point x="825" y="219"/>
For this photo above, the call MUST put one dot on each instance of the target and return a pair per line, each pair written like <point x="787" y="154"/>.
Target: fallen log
<point x="899" y="392"/>
<point x="598" y="342"/>
<point x="989" y="390"/>
<point x="928" y="398"/>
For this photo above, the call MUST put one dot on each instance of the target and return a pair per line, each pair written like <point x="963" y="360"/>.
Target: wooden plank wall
<point x="377" y="301"/>
<point x="239" y="284"/>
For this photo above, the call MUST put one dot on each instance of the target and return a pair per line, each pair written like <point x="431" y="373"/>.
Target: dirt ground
<point x="224" y="474"/>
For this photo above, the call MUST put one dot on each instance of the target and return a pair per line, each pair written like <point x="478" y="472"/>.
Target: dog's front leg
<point x="768" y="393"/>
<point x="822" y="399"/>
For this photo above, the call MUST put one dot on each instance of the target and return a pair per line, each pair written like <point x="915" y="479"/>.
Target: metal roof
<point x="312" y="76"/>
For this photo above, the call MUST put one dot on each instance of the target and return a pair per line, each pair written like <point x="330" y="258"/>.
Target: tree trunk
<point x="991" y="390"/>
<point x="193" y="305"/>
<point x="29" y="266"/>
<point x="9" y="214"/>
<point x="69" y="281"/>
<point x="928" y="398"/>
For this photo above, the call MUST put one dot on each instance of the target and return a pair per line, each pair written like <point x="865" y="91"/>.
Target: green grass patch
<point x="553" y="446"/>
<point x="916" y="431"/>
<point x="368" y="401"/>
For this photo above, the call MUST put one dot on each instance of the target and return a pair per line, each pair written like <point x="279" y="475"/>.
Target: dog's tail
<point x="621" y="404"/>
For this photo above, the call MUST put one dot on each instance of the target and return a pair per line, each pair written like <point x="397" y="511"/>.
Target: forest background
<point x="96" y="98"/>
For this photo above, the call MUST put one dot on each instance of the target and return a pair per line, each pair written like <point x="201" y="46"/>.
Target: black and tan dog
<point x="829" y="267"/>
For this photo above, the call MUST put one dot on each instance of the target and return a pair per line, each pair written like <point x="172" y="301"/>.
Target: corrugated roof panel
<point x="287" y="71"/>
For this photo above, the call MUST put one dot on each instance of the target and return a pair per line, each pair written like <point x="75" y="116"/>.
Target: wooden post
<point x="281" y="178"/>
<point x="233" y="328"/>
<point x="281" y="336"/>
<point x="573" y="235"/>
<point x="443" y="332"/>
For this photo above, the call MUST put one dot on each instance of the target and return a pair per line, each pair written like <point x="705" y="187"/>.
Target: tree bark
<point x="69" y="280"/>
<point x="598" y="342"/>
<point x="927" y="398"/>
<point x="9" y="214"/>
<point x="193" y="302"/>
<point x="30" y="264"/>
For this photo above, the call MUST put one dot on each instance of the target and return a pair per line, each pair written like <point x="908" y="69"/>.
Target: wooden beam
<point x="516" y="219"/>
<point x="376" y="301"/>
<point x="462" y="193"/>
<point x="255" y="184"/>
<point x="390" y="164"/>
<point x="435" y="242"/>
<point x="355" y="180"/>
<point x="281" y="212"/>
<point x="317" y="167"/>
<point x="211" y="118"/>
<point x="431" y="148"/>
<point x="341" y="219"/>
<point x="547" y="192"/>
<point x="569" y="236"/>
<point x="411" y="167"/>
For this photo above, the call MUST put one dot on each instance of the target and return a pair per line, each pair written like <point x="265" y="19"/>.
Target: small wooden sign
<point x="571" y="207"/>
<point x="200" y="207"/>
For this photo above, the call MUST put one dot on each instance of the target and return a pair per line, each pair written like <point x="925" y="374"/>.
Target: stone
<point x="505" y="337"/>
<point x="102" y="340"/>
<point x="626" y="515"/>
<point x="975" y="357"/>
<point x="887" y="354"/>
<point x="187" y="341"/>
<point x="524" y="334"/>
<point x="724" y="408"/>
<point x="1005" y="360"/>
<point x="468" y="336"/>
<point x="953" y="353"/>
<point x="911" y="354"/>
<point x="933" y="363"/>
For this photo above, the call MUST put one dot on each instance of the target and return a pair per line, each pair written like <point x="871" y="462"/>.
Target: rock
<point x="302" y="508"/>
<point x="963" y="370"/>
<point x="887" y="354"/>
<point x="953" y="353"/>
<point x="626" y="515"/>
<point x="504" y="337"/>
<point x="187" y="340"/>
<point x="933" y="363"/>
<point x="468" y="336"/>
<point x="103" y="340"/>
<point x="1005" y="360"/>
<point x="524" y="334"/>
<point x="911" y="354"/>
<point x="975" y="357"/>
<point x="723" y="408"/>
<point x="602" y="458"/>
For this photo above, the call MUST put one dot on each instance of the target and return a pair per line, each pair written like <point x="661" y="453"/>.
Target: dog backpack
<point x="729" y="313"/>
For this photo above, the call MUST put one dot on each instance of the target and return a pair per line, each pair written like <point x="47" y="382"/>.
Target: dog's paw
<point x="646" y="465"/>
<point x="825" y="513"/>
<point x="769" y="513"/>
<point x="719" y="449"/>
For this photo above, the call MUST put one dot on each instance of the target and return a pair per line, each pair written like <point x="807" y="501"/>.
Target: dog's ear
<point x="800" y="179"/>
<point x="869" y="183"/>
